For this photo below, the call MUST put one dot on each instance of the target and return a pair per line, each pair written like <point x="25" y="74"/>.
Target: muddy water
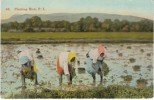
<point x="118" y="61"/>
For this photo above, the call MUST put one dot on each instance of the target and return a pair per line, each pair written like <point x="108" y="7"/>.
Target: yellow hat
<point x="70" y="56"/>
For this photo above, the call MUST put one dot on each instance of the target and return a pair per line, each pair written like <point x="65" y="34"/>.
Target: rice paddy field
<point x="129" y="71"/>
<point x="8" y="36"/>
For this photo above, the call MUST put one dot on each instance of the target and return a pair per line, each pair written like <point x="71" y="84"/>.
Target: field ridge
<point x="74" y="41"/>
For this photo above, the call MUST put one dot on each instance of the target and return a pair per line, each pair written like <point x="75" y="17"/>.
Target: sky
<point x="140" y="8"/>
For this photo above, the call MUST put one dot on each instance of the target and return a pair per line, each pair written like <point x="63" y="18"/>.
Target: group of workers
<point x="65" y="64"/>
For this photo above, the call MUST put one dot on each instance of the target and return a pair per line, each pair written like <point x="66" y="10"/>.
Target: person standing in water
<point x="28" y="70"/>
<point x="94" y="63"/>
<point x="65" y="66"/>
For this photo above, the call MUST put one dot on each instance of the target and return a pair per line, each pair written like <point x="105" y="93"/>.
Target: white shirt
<point x="63" y="61"/>
<point x="27" y="53"/>
<point x="94" y="55"/>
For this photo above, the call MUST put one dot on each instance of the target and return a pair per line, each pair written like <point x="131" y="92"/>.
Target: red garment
<point x="59" y="68"/>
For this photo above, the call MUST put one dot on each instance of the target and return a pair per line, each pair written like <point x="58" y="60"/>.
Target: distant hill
<point x="72" y="17"/>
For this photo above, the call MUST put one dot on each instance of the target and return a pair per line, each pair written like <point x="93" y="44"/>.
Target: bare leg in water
<point x="69" y="78"/>
<point x="23" y="79"/>
<point x="94" y="78"/>
<point x="60" y="80"/>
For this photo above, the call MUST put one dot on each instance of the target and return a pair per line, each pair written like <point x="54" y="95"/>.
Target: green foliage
<point x="112" y="91"/>
<point x="36" y="21"/>
<point x="87" y="24"/>
<point x="28" y="29"/>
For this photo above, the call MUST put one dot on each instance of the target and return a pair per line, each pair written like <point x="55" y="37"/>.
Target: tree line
<point x="88" y="24"/>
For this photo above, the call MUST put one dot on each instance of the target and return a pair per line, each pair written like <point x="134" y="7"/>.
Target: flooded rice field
<point x="128" y="63"/>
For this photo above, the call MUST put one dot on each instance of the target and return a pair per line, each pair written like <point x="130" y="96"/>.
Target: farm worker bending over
<point x="95" y="59"/>
<point x="65" y="66"/>
<point x="28" y="68"/>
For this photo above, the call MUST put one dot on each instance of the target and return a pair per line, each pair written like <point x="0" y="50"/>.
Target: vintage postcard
<point x="77" y="49"/>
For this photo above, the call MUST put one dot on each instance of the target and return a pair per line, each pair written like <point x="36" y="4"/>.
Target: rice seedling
<point x="148" y="54"/>
<point x="117" y="51"/>
<point x="81" y="70"/>
<point x="141" y="50"/>
<point x="136" y="68"/>
<point x="121" y="45"/>
<point x="105" y="69"/>
<point x="120" y="54"/>
<point x="132" y="60"/>
<point x="129" y="47"/>
<point x="78" y="62"/>
<point x="149" y="66"/>
<point x="127" y="78"/>
<point x="141" y="83"/>
<point x="85" y="63"/>
<point x="125" y="71"/>
<point x="39" y="56"/>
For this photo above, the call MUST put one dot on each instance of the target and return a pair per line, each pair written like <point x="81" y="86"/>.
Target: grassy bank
<point x="6" y="36"/>
<point x="113" y="91"/>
